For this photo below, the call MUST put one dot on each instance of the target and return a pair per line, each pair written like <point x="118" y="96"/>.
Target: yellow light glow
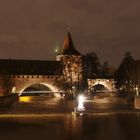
<point x="25" y="99"/>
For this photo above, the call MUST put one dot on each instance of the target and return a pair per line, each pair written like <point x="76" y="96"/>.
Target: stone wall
<point x="21" y="82"/>
<point x="72" y="67"/>
<point x="108" y="83"/>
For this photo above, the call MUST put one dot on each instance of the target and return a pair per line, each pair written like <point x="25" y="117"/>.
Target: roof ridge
<point x="68" y="46"/>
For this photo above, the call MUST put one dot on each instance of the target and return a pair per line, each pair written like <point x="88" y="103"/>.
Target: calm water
<point x="69" y="127"/>
<point x="39" y="118"/>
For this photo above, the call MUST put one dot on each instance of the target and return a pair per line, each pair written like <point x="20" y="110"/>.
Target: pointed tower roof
<point x="68" y="46"/>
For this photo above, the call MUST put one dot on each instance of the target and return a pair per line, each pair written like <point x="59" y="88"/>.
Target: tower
<point x="72" y="62"/>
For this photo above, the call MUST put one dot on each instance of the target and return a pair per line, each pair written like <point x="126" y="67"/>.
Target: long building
<point x="17" y="75"/>
<point x="65" y="72"/>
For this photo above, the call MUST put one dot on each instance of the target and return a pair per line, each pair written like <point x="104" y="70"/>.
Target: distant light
<point x="56" y="50"/>
<point x="81" y="114"/>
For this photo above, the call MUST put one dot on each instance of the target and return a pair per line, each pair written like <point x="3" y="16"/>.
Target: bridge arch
<point x="23" y="83"/>
<point x="109" y="84"/>
<point x="35" y="88"/>
<point x="45" y="84"/>
<point x="100" y="88"/>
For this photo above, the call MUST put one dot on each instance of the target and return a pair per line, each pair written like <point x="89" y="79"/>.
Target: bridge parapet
<point x="107" y="83"/>
<point x="24" y="81"/>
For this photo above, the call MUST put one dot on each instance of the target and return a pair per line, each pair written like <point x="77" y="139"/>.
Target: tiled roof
<point x="68" y="46"/>
<point x="30" y="67"/>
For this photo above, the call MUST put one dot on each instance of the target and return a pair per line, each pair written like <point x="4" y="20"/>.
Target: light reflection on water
<point x="80" y="106"/>
<point x="26" y="99"/>
<point x="66" y="127"/>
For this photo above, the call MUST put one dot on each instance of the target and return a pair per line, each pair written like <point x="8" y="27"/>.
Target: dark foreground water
<point x="70" y="127"/>
<point x="41" y="118"/>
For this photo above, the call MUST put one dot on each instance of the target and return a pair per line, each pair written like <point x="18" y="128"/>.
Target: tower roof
<point x="68" y="46"/>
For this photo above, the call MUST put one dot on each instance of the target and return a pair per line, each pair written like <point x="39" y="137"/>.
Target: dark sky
<point x="31" y="29"/>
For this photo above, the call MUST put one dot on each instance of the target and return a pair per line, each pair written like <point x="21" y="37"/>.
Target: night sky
<point x="32" y="29"/>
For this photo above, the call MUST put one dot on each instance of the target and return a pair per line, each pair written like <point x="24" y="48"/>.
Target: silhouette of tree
<point x="105" y="70"/>
<point x="91" y="65"/>
<point x="128" y="74"/>
<point x="7" y="84"/>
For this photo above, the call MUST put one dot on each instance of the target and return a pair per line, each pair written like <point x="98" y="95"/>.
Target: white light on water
<point x="81" y="98"/>
<point x="80" y="103"/>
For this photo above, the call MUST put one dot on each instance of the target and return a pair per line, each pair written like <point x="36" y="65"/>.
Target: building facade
<point x="17" y="75"/>
<point x="65" y="73"/>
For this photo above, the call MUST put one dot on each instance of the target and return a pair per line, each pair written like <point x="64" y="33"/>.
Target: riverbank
<point x="44" y="106"/>
<point x="8" y="100"/>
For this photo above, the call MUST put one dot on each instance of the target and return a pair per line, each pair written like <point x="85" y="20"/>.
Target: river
<point x="52" y="119"/>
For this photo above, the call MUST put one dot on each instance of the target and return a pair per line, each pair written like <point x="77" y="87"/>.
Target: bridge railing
<point x="39" y="93"/>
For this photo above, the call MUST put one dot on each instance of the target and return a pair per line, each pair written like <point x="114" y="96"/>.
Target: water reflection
<point x="76" y="123"/>
<point x="66" y="127"/>
<point x="52" y="119"/>
<point x="80" y="106"/>
<point x="26" y="99"/>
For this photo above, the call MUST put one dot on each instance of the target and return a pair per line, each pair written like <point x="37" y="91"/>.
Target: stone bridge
<point x="22" y="82"/>
<point x="108" y="84"/>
